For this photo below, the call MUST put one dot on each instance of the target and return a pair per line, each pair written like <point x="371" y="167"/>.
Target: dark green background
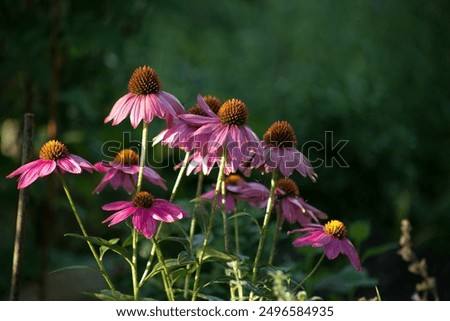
<point x="376" y="73"/>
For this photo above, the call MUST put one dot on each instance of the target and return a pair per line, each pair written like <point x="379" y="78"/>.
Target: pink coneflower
<point x="237" y="189"/>
<point x="180" y="133"/>
<point x="228" y="129"/>
<point x="293" y="208"/>
<point x="53" y="155"/>
<point x="332" y="238"/>
<point x="280" y="151"/>
<point x="146" y="210"/>
<point x="144" y="100"/>
<point x="123" y="172"/>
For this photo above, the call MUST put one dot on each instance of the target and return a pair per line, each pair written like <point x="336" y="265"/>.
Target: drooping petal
<point x="101" y="167"/>
<point x="46" y="168"/>
<point x="347" y="248"/>
<point x="67" y="164"/>
<point x="84" y="164"/>
<point x="154" y="178"/>
<point x="144" y="222"/>
<point x="115" y="206"/>
<point x="165" y="211"/>
<point x="121" y="109"/>
<point x="32" y="174"/>
<point x="25" y="167"/>
<point x="332" y="249"/>
<point x="173" y="102"/>
<point x="135" y="112"/>
<point x="120" y="215"/>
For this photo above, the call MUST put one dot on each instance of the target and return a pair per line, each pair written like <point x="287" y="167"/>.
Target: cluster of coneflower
<point x="212" y="134"/>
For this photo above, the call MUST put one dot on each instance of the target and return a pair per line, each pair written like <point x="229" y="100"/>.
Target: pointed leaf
<point x="104" y="243"/>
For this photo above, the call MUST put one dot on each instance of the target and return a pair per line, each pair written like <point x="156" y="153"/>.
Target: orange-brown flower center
<point x="143" y="199"/>
<point x="144" y="81"/>
<point x="196" y="110"/>
<point x="127" y="157"/>
<point x="336" y="229"/>
<point x="233" y="112"/>
<point x="233" y="179"/>
<point x="53" y="150"/>
<point x="288" y="186"/>
<point x="280" y="134"/>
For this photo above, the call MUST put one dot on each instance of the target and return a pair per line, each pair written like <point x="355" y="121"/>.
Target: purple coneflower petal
<point x="144" y="223"/>
<point x="28" y="177"/>
<point x="154" y="177"/>
<point x="204" y="106"/>
<point x="84" y="164"/>
<point x="24" y="168"/>
<point x="67" y="164"/>
<point x="120" y="215"/>
<point x="173" y="102"/>
<point x="115" y="206"/>
<point x="332" y="249"/>
<point x="121" y="109"/>
<point x="347" y="248"/>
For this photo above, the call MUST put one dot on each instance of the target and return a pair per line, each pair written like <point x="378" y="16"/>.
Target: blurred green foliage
<point x="375" y="73"/>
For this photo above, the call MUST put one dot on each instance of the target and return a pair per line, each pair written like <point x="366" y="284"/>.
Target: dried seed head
<point x="288" y="186"/>
<point x="143" y="199"/>
<point x="127" y="157"/>
<point x="144" y="81"/>
<point x="280" y="134"/>
<point x="233" y="112"/>
<point x="53" y="150"/>
<point x="336" y="229"/>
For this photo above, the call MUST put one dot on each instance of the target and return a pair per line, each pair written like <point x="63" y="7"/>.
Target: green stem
<point x="172" y="196"/>
<point x="198" y="192"/>
<point x="236" y="231"/>
<point x="165" y="273"/>
<point x="142" y="160"/>
<point x="210" y="225"/>
<point x="180" y="176"/>
<point x="276" y="234"/>
<point x="269" y="208"/>
<point x="134" y="271"/>
<point x="83" y="230"/>
<point x="144" y="277"/>
<point x="310" y="273"/>
<point x="224" y="217"/>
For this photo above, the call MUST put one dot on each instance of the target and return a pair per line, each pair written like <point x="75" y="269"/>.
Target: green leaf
<point x="111" y="245"/>
<point x="170" y="264"/>
<point x="201" y="216"/>
<point x="107" y="295"/>
<point x="184" y="257"/>
<point x="74" y="267"/>
<point x="183" y="241"/>
<point x="214" y="255"/>
<point x="245" y="214"/>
